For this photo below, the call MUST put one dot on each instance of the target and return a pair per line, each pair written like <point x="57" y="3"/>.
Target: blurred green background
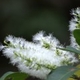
<point x="24" y="18"/>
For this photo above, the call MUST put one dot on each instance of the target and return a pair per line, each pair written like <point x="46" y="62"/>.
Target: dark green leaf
<point x="5" y="75"/>
<point x="76" y="34"/>
<point x="62" y="73"/>
<point x="17" y="76"/>
<point x="71" y="49"/>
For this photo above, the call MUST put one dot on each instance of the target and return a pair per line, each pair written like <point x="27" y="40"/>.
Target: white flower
<point x="34" y="58"/>
<point x="72" y="24"/>
<point x="76" y="11"/>
<point x="73" y="42"/>
<point x="49" y="41"/>
<point x="75" y="22"/>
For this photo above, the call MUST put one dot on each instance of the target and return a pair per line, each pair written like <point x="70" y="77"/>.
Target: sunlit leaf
<point x="78" y="72"/>
<point x="71" y="79"/>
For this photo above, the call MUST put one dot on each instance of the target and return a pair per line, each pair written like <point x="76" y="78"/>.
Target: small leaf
<point x="71" y="49"/>
<point x="62" y="73"/>
<point x="5" y="75"/>
<point x="17" y="76"/>
<point x="76" y="34"/>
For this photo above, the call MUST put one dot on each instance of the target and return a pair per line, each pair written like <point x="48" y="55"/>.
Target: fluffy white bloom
<point x="75" y="22"/>
<point x="49" y="41"/>
<point x="36" y="59"/>
<point x="73" y="42"/>
<point x="72" y="24"/>
<point x="76" y="11"/>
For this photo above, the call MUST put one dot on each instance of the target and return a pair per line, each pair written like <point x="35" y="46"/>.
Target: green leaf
<point x="62" y="73"/>
<point x="17" y="76"/>
<point x="14" y="76"/>
<point x="5" y="75"/>
<point x="76" y="34"/>
<point x="71" y="49"/>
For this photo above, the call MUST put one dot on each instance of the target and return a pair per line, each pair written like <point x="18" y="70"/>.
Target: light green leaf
<point x="71" y="49"/>
<point x="76" y="34"/>
<point x="62" y="73"/>
<point x="5" y="75"/>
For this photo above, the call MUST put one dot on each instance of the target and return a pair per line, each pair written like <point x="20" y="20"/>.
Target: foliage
<point x="62" y="73"/>
<point x="5" y="75"/>
<point x="76" y="33"/>
<point x="14" y="76"/>
<point x="65" y="70"/>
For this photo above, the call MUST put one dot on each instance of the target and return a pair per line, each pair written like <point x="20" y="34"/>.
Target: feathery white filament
<point x="36" y="59"/>
<point x="74" y="24"/>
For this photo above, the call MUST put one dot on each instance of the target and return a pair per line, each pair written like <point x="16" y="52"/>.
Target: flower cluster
<point x="37" y="58"/>
<point x="74" y="24"/>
